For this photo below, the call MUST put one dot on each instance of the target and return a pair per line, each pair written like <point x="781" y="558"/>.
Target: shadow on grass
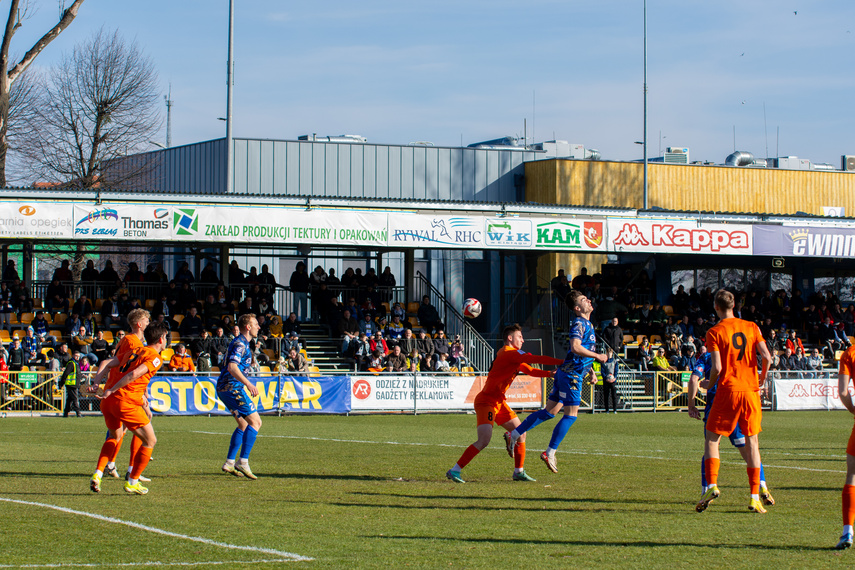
<point x="326" y="477"/>
<point x="610" y="543"/>
<point x="536" y="508"/>
<point x="528" y="499"/>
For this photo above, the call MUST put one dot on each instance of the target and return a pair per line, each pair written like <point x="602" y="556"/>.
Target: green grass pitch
<point x="371" y="492"/>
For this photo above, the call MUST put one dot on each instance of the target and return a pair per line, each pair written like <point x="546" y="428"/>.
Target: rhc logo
<point x="185" y="222"/>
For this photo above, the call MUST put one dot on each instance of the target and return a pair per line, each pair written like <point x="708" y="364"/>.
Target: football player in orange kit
<point x="733" y="345"/>
<point x="122" y="406"/>
<point x="844" y="376"/>
<point x="491" y="405"/>
<point x="138" y="319"/>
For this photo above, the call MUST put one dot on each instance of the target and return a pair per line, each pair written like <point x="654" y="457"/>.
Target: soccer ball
<point x="471" y="308"/>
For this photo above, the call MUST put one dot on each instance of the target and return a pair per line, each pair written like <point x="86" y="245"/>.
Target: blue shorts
<point x="237" y="400"/>
<point x="737" y="438"/>
<point x="566" y="389"/>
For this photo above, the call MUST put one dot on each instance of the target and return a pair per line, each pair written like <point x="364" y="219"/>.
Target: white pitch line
<point x="288" y="555"/>
<point x="569" y="452"/>
<point x="150" y="563"/>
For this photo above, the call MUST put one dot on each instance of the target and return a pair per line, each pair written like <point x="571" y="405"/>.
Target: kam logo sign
<point x="559" y="235"/>
<point x="185" y="222"/>
<point x="506" y="232"/>
<point x="593" y="234"/>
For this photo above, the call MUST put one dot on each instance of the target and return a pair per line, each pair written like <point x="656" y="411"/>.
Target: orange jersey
<point x="736" y="342"/>
<point x="847" y="363"/>
<point x="142" y="356"/>
<point x="508" y="363"/>
<point x="182" y="363"/>
<point x="129" y="343"/>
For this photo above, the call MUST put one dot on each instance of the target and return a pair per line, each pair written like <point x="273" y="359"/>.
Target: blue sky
<point x="442" y="71"/>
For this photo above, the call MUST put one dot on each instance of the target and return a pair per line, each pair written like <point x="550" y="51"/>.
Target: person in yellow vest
<point x="181" y="361"/>
<point x="70" y="377"/>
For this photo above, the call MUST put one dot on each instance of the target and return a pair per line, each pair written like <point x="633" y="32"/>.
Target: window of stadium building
<point x="731" y="278"/>
<point x="842" y="286"/>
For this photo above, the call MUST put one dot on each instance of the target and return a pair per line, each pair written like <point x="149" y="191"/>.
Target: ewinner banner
<point x="804" y="241"/>
<point x="197" y="395"/>
<point x="808" y="394"/>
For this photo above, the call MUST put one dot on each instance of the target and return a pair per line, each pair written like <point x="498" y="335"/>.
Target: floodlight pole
<point x="645" y="105"/>
<point x="229" y="82"/>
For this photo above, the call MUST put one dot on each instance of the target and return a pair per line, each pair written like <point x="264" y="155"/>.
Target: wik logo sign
<point x="507" y="232"/>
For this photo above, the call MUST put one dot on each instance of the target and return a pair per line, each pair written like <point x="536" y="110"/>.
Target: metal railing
<point x="477" y="349"/>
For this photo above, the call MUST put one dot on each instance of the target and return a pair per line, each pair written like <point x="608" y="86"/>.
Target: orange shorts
<point x="735" y="408"/>
<point x="498" y="412"/>
<point x="850" y="449"/>
<point x="118" y="411"/>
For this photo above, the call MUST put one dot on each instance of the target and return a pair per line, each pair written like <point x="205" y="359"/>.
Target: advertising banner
<point x="804" y="241"/>
<point x="668" y="236"/>
<point x="571" y="234"/>
<point x="146" y="222"/>
<point x="406" y="392"/>
<point x="807" y="394"/>
<point x="197" y="395"/>
<point x="524" y="392"/>
<point x="414" y="230"/>
<point x="280" y="225"/>
<point x="35" y="220"/>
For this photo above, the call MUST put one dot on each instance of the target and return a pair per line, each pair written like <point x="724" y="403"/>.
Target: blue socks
<point x="248" y="441"/>
<point x="561" y="429"/>
<point x="534" y="420"/>
<point x="234" y="444"/>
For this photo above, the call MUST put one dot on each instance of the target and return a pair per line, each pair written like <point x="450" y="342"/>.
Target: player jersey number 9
<point x="129" y="364"/>
<point x="740" y="342"/>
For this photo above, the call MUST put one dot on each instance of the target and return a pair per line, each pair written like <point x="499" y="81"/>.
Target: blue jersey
<point x="239" y="353"/>
<point x="575" y="365"/>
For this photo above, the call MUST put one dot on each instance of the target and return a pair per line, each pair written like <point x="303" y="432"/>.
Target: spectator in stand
<point x="100" y="347"/>
<point x="788" y="361"/>
<point x="63" y="273"/>
<point x="613" y="335"/>
<point x="246" y="306"/>
<point x="331" y="277"/>
<point x="440" y="344"/>
<point x="645" y="354"/>
<point x="32" y="348"/>
<point x="773" y="342"/>
<point x="362" y="352"/>
<point x="133" y="275"/>
<point x="348" y="329"/>
<point x="688" y="360"/>
<point x="82" y="342"/>
<point x="370" y="279"/>
<point x="812" y="322"/>
<point x="157" y="276"/>
<point x="299" y="284"/>
<point x="686" y="328"/>
<point x="367" y="325"/>
<point x="353" y="307"/>
<point x="429" y="317"/>
<point x="219" y="344"/>
<point x="559" y="285"/>
<point x="296" y="362"/>
<point x="63" y="354"/>
<point x="608" y="370"/>
<point x="205" y="347"/>
<point x="828" y="338"/>
<point x="186" y="297"/>
<point x="582" y="281"/>
<point x="680" y="300"/>
<point x="120" y="334"/>
<point x="334" y="314"/>
<point x="441" y="364"/>
<point x="793" y="341"/>
<point x="276" y="327"/>
<point x="397" y="360"/>
<point x="72" y="324"/>
<point x="398" y="310"/>
<point x="291" y="324"/>
<point x="221" y="294"/>
<point x="800" y="359"/>
<point x="42" y="329"/>
<point x="17" y="355"/>
<point x="23" y="302"/>
<point x="457" y="357"/>
<point x="181" y="361"/>
<point x="264" y="307"/>
<point x="395" y="330"/>
<point x="88" y="322"/>
<point x="192" y="325"/>
<point x="425" y="344"/>
<point x="367" y="307"/>
<point x="385" y="284"/>
<point x="814" y="361"/>
<point x="10" y="274"/>
<point x="378" y="343"/>
<point x="184" y="275"/>
<point x="377" y="361"/>
<point x="110" y="313"/>
<point x="848" y="319"/>
<point x="672" y="328"/>
<point x="701" y="327"/>
<point x="349" y="278"/>
<point x="235" y="273"/>
<point x="317" y="277"/>
<point x="266" y="278"/>
<point x="640" y="318"/>
<point x="608" y="309"/>
<point x="408" y="342"/>
<point x="209" y="274"/>
<point x="212" y="312"/>
<point x="7" y="306"/>
<point x="108" y="277"/>
<point x="660" y="362"/>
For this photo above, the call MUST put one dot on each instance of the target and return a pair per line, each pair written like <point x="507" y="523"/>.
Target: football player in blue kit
<point x="569" y="378"/>
<point x="234" y="389"/>
<point x="700" y="377"/>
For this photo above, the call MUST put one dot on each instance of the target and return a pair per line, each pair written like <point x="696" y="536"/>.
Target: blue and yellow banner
<point x="197" y="395"/>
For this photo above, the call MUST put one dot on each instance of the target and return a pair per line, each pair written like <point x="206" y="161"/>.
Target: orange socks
<point x="519" y="455"/>
<point x="136" y="444"/>
<point x="849" y="505"/>
<point x="468" y="456"/>
<point x="140" y="461"/>
<point x="107" y="450"/>
<point x="118" y="447"/>
<point x="711" y="465"/>
<point x="754" y="479"/>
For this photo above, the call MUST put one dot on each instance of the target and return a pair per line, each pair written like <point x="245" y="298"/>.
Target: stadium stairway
<point x="324" y="351"/>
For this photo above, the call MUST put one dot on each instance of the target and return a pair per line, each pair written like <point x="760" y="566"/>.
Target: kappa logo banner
<point x="197" y="395"/>
<point x="808" y="394"/>
<point x="668" y="236"/>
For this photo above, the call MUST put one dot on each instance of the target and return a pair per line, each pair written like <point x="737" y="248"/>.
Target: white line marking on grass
<point x="127" y="564"/>
<point x="208" y="541"/>
<point x="569" y="452"/>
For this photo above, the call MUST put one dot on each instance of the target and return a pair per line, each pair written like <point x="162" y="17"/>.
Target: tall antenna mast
<point x="168" y="100"/>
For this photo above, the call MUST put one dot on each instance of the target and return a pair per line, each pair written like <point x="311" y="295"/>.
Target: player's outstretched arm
<point x="104" y="368"/>
<point x="537" y="372"/>
<point x="843" y="391"/>
<point x="124" y="381"/>
<point x="577" y="348"/>
<point x="529" y="358"/>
